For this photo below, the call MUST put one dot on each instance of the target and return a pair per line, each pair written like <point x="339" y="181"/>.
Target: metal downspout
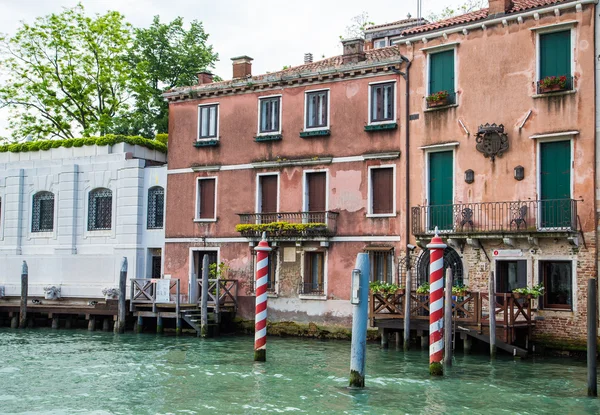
<point x="407" y="160"/>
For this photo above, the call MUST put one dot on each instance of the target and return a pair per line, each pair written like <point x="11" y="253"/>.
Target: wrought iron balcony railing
<point x="556" y="215"/>
<point x="288" y="224"/>
<point x="312" y="288"/>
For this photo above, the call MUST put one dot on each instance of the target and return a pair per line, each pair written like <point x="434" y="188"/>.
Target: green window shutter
<point x="441" y="72"/>
<point x="441" y="190"/>
<point x="555" y="54"/>
<point x="555" y="186"/>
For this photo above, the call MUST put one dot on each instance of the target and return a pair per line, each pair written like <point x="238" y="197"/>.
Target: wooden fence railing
<point x="226" y="293"/>
<point x="155" y="291"/>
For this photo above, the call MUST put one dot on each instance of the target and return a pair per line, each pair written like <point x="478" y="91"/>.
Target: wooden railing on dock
<point x="144" y="292"/>
<point x="227" y="293"/>
<point x="471" y="309"/>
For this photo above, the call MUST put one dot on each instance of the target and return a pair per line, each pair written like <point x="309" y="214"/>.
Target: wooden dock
<point x="514" y="321"/>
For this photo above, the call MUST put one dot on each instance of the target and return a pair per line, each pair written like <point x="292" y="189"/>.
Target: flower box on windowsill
<point x="270" y="137"/>
<point x="380" y="127"/>
<point x="315" y="133"/>
<point x="206" y="143"/>
<point x="438" y="103"/>
<point x="552" y="88"/>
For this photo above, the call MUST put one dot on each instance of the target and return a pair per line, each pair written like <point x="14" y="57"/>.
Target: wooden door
<point x="555" y="186"/>
<point x="441" y="190"/>
<point x="317" y="195"/>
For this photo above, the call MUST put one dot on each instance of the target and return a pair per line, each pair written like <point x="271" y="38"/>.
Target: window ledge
<point x="315" y="133"/>
<point x="272" y="295"/>
<point x="41" y="235"/>
<point x="99" y="232"/>
<point x="268" y="137"/>
<point x="313" y="297"/>
<point x="554" y="94"/>
<point x="205" y="220"/>
<point x="380" y="127"/>
<point x="440" y="108"/>
<point x="206" y="143"/>
<point x="381" y="215"/>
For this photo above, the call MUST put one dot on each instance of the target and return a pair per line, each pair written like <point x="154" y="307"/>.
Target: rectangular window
<point x="206" y="198"/>
<point x="382" y="102"/>
<point x="316" y="109"/>
<point x="557" y="277"/>
<point x="510" y="275"/>
<point x="314" y="271"/>
<point x="441" y="72"/>
<point x="555" y="54"/>
<point x="380" y="43"/>
<point x="382" y="265"/>
<point x="267" y="198"/>
<point x="207" y="121"/>
<point x="269" y="114"/>
<point x="382" y="191"/>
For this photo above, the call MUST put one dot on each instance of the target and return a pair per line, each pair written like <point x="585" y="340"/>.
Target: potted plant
<point x="385" y="288"/>
<point x="437" y="99"/>
<point x="423" y="289"/>
<point x="460" y="290"/>
<point x="553" y="83"/>
<point x="526" y="292"/>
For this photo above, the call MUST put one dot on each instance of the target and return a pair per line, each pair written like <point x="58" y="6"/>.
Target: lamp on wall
<point x="519" y="173"/>
<point x="469" y="176"/>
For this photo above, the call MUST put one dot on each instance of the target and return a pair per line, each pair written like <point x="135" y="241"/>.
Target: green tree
<point x="167" y="55"/>
<point x="467" y="7"/>
<point x="66" y="75"/>
<point x="358" y="25"/>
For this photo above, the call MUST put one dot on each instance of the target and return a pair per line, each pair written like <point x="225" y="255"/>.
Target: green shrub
<point x="276" y="227"/>
<point x="107" y="140"/>
<point x="162" y="138"/>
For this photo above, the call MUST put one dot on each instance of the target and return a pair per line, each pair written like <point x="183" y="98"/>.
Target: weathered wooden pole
<point x="436" y="304"/>
<point x="592" y="335"/>
<point x="160" y="327"/>
<point x="55" y="322"/>
<point x="140" y="324"/>
<point x="24" y="287"/>
<point x="122" y="292"/>
<point x="92" y="323"/>
<point x="385" y="338"/>
<point x="204" y="298"/>
<point x="448" y="319"/>
<point x="106" y="324"/>
<point x="492" y="312"/>
<point x="360" y="315"/>
<point x="14" y="322"/>
<point x="407" y="310"/>
<point x="260" y="319"/>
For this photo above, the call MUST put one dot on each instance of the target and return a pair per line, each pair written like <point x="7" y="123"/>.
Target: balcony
<point x="288" y="225"/>
<point x="497" y="219"/>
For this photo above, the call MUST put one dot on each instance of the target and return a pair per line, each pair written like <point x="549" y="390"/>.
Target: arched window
<point x="100" y="210"/>
<point x="156" y="207"/>
<point x="42" y="218"/>
<point x="451" y="259"/>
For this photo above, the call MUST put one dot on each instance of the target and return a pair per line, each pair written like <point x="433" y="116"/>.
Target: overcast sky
<point x="274" y="33"/>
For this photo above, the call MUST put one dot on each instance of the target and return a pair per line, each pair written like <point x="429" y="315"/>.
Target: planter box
<point x="439" y="103"/>
<point x="552" y="88"/>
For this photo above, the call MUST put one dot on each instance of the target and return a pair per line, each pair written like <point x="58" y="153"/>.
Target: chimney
<point x="308" y="58"/>
<point x="204" y="77"/>
<point x="354" y="50"/>
<point x="242" y="67"/>
<point x="498" y="7"/>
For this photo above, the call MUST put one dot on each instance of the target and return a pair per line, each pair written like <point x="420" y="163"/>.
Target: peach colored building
<point x="455" y="124"/>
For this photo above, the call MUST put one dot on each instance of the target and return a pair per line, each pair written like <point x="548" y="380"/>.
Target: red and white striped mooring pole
<point x="436" y="304"/>
<point x="260" y="320"/>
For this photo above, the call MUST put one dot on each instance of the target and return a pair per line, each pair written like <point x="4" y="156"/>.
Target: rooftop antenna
<point x="419" y="10"/>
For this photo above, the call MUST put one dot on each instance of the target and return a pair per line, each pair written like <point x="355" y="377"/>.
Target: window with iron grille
<point x="42" y="218"/>
<point x="382" y="102"/>
<point x="207" y="121"/>
<point x="100" y="210"/>
<point x="271" y="267"/>
<point x="269" y="114"/>
<point x="314" y="273"/>
<point x="382" y="265"/>
<point x="316" y="109"/>
<point x="156" y="207"/>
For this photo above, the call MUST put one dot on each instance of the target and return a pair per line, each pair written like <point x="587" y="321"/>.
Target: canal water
<point x="78" y="372"/>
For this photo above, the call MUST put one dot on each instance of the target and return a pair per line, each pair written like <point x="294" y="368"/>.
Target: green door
<point x="555" y="178"/>
<point x="441" y="72"/>
<point x="440" y="190"/>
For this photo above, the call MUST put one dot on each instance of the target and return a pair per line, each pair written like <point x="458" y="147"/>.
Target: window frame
<point x="370" y="213"/>
<point x="304" y="260"/>
<point x="148" y="227"/>
<point x="541" y="274"/>
<point x="372" y="86"/>
<point x="553" y="28"/>
<point x="305" y="189"/>
<point x="258" y="195"/>
<point x="197" y="217"/>
<point x="306" y="96"/>
<point x="199" y="118"/>
<point x="91" y="206"/>
<point x="432" y="51"/>
<point x="40" y="231"/>
<point x="381" y="39"/>
<point x="386" y="252"/>
<point x="260" y="132"/>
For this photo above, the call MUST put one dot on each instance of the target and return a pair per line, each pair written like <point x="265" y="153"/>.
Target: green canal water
<point x="78" y="372"/>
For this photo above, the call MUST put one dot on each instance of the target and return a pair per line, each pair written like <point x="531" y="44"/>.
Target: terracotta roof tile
<point x="398" y="22"/>
<point x="518" y="6"/>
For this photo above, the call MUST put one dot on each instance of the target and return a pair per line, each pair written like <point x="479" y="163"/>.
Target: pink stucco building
<point x="456" y="124"/>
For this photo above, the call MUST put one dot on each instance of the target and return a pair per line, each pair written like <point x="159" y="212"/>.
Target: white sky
<point x="274" y="33"/>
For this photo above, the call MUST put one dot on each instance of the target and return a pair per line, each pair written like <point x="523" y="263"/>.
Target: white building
<point x="74" y="213"/>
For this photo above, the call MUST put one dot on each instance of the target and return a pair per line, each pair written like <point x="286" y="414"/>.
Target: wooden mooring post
<point x="120" y="326"/>
<point x="448" y="319"/>
<point x="24" y="287"/>
<point x="407" y="310"/>
<point x="592" y="336"/>
<point x="204" y="298"/>
<point x="492" y="312"/>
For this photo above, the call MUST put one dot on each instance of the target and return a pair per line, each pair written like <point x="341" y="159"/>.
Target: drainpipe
<point x="406" y="77"/>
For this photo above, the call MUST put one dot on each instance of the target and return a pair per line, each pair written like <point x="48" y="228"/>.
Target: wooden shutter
<point x="441" y="190"/>
<point x="317" y="191"/>
<point x="207" y="199"/>
<point x="555" y="177"/>
<point x="555" y="54"/>
<point x="382" y="190"/>
<point x="441" y="72"/>
<point x="268" y="197"/>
